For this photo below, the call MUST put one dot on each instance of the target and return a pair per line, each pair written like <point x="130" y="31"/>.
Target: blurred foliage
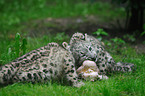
<point x="100" y="32"/>
<point x="118" y="41"/>
<point x="61" y="37"/>
<point x="17" y="48"/>
<point x="14" y="12"/>
<point x="143" y="33"/>
<point x="17" y="44"/>
<point x="11" y="49"/>
<point x="23" y="46"/>
<point x="129" y="37"/>
<point x="135" y="14"/>
<point x="129" y="2"/>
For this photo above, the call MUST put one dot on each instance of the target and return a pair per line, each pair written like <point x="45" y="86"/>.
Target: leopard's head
<point x="84" y="51"/>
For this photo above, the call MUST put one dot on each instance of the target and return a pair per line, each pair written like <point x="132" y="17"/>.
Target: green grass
<point x="14" y="12"/>
<point x="120" y="84"/>
<point x="9" y="47"/>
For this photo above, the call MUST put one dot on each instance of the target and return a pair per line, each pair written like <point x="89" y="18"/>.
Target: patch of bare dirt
<point x="88" y="24"/>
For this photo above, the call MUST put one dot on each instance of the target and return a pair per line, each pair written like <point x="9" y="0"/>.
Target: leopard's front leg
<point x="70" y="71"/>
<point x="101" y="62"/>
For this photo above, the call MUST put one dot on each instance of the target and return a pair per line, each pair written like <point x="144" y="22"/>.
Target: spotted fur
<point x="51" y="62"/>
<point x="86" y="47"/>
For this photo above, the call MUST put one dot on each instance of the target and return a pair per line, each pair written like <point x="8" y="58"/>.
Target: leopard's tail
<point x="124" y="67"/>
<point x="119" y="66"/>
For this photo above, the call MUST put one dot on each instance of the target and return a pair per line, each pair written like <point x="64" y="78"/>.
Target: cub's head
<point x="83" y="50"/>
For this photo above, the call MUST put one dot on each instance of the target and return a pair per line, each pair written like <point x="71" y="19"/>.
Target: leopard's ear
<point x="65" y="45"/>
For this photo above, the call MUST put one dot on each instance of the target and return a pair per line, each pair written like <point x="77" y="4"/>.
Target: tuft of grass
<point x="11" y="49"/>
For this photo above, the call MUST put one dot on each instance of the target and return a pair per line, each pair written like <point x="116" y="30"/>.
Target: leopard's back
<point x="51" y="62"/>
